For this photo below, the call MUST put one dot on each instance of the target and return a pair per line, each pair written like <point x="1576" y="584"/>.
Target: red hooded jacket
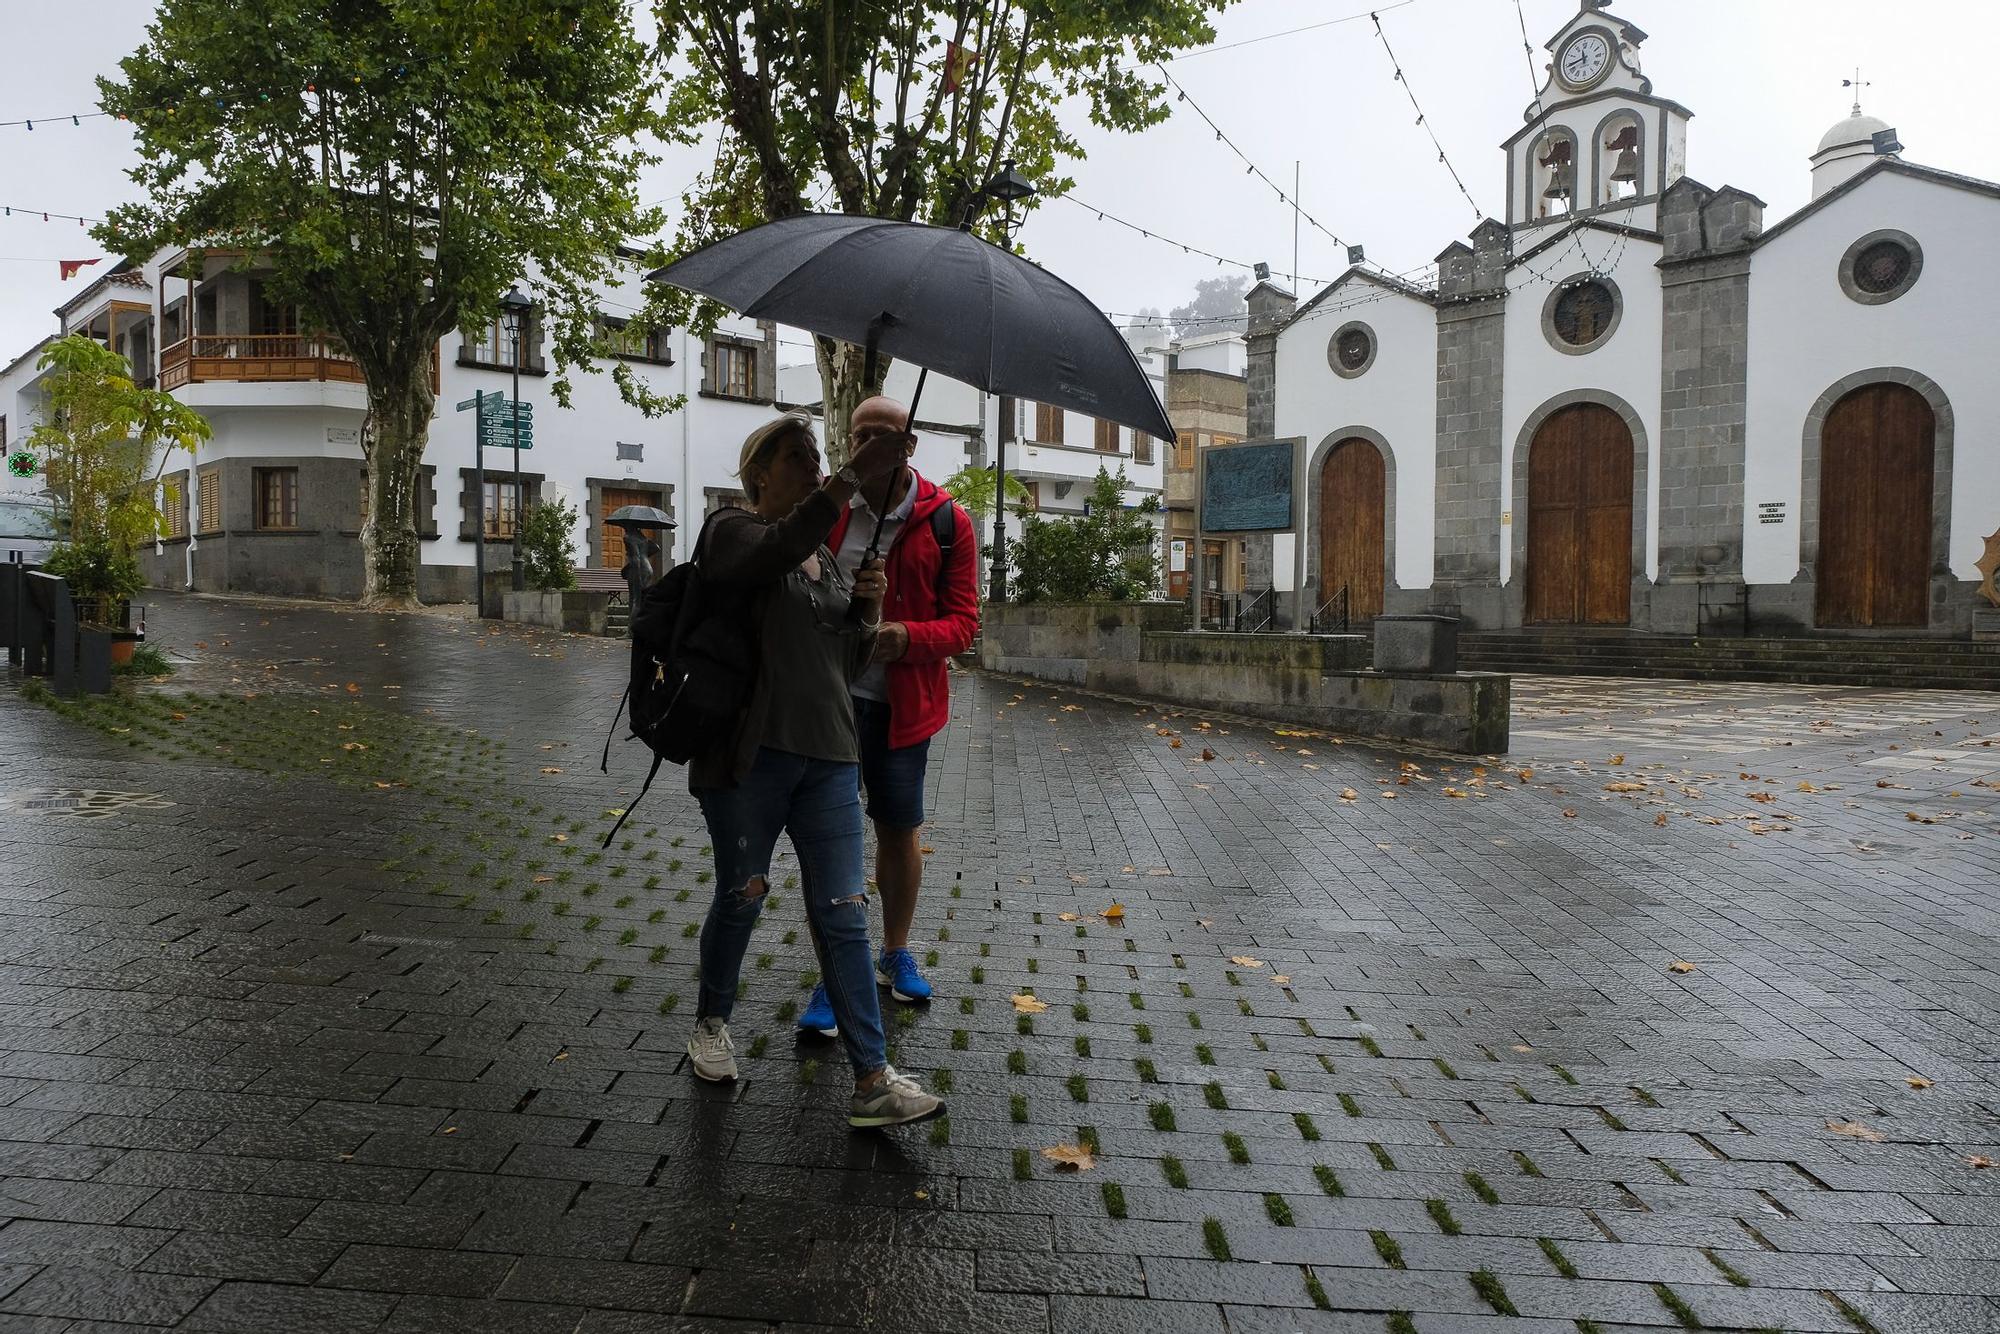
<point x="941" y="610"/>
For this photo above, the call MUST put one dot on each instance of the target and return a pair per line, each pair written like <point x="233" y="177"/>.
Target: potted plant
<point x="104" y="438"/>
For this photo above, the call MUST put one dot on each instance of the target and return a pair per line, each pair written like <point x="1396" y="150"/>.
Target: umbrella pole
<point x="882" y="511"/>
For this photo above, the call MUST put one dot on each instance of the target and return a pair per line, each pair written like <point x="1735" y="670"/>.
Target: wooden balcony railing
<point x="261" y="358"/>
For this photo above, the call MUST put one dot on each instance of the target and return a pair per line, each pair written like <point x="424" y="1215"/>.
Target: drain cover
<point x="86" y="803"/>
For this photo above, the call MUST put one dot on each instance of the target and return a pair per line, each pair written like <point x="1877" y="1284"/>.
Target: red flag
<point x="70" y="266"/>
<point x="958" y="65"/>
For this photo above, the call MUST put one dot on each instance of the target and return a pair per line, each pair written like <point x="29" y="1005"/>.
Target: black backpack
<point x="694" y="663"/>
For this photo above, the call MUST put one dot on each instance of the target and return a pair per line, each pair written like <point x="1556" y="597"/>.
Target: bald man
<point x="931" y="613"/>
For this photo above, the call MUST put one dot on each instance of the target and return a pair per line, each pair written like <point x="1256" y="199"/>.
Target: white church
<point x="1638" y="403"/>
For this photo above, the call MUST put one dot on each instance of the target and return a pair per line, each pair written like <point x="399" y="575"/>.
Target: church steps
<point x="1929" y="664"/>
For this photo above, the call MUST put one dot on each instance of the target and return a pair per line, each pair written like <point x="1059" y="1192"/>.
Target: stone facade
<point x="1270" y="307"/>
<point x="1471" y="365"/>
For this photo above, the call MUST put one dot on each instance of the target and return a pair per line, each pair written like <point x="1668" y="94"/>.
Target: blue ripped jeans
<point x="816" y="802"/>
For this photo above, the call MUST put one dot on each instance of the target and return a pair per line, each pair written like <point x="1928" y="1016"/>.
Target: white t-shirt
<point x="873" y="683"/>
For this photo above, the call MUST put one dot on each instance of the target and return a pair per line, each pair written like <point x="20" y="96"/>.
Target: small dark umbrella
<point x="937" y="297"/>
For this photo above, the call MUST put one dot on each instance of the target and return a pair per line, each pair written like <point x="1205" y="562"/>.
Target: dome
<point x="1853" y="130"/>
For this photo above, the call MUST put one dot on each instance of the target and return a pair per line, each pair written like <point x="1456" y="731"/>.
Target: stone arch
<point x="1381" y="442"/>
<point x="1517" y="543"/>
<point x="1810" y="453"/>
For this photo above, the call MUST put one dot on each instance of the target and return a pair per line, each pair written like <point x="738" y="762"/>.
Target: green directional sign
<point x="495" y="434"/>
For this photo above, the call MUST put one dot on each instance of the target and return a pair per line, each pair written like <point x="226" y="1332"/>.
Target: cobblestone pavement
<point x="320" y="1010"/>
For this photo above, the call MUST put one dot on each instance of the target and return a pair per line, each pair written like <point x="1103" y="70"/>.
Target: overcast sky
<point x="1763" y="78"/>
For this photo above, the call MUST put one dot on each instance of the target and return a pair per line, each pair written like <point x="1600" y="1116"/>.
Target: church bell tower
<point x="1596" y="143"/>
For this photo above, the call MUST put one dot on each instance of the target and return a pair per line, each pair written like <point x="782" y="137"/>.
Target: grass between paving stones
<point x="1480" y="1187"/>
<point x="1400" y="1323"/>
<point x="1329" y="1180"/>
<point x="1114" y="1199"/>
<point x="1161" y="1115"/>
<point x="1239" y="1152"/>
<point x="1852" y="1316"/>
<point x="1386" y="1247"/>
<point x="1440" y="1213"/>
<point x="1487" y="1284"/>
<point x="1382" y="1157"/>
<point x="1556" y="1257"/>
<point x="1175" y="1173"/>
<point x="1526" y="1164"/>
<point x="1216" y="1239"/>
<point x="1278" y="1211"/>
<point x="1316" y="1292"/>
<point x="1307" y="1130"/>
<point x="1677" y="1304"/>
<point x="1724" y="1268"/>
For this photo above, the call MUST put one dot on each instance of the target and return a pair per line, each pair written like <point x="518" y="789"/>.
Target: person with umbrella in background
<point x="792" y="767"/>
<point x="903" y="699"/>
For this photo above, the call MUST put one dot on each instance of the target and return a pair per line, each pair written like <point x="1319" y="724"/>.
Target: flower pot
<point x="121" y="650"/>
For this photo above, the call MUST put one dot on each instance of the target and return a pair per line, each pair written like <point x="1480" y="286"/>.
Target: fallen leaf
<point x="1978" y="1160"/>
<point x="1660" y="820"/>
<point x="1680" y="966"/>
<point x="1916" y="1081"/>
<point x="353" y="689"/>
<point x="201" y="643"/>
<point x="558" y="838"/>
<point x="923" y="1194"/>
<point x="1282" y="979"/>
<point x="1453" y="792"/>
<point x="1349" y="794"/>
<point x="1856" y="1130"/>
<point x="1806" y="787"/>
<point x="1203" y="922"/>
<point x="1618" y="759"/>
<point x="1070" y="1158"/>
<point x="1207" y="754"/>
<point x="1176" y="744"/>
<point x="544" y="879"/>
<point x="451" y="1130"/>
<point x="1388" y="796"/>
<point x="1624" y="787"/>
<point x="1569" y="812"/>
<point x="1116" y="912"/>
<point x="1026" y="1004"/>
<point x="1303" y="751"/>
<point x="1069" y="917"/>
<point x="1245" y="961"/>
<point x="927" y="850"/>
<point x="354" y="745"/>
<point x="1525" y="775"/>
<point x="1076" y="879"/>
<point x="1766" y="797"/>
<point x="562" y="1056"/>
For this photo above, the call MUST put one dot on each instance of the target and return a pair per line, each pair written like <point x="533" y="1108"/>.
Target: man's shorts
<point x="891" y="779"/>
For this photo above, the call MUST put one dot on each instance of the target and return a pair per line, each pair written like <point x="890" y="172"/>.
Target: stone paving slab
<point x="321" y="1008"/>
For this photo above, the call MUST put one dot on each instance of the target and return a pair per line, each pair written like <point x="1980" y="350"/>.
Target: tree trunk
<point x="399" y="414"/>
<point x="842" y="367"/>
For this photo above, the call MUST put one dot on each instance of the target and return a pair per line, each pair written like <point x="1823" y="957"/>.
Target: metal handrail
<point x="1321" y="621"/>
<point x="1247" y="611"/>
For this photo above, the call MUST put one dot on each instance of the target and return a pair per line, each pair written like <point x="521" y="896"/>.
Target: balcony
<point x="262" y="359"/>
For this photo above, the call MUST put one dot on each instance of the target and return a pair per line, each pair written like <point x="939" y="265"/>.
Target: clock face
<point x="1584" y="60"/>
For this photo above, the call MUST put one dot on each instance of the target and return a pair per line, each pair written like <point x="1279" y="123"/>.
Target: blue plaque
<point x="1247" y="488"/>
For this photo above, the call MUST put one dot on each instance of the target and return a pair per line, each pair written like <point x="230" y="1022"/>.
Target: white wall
<point x="1396" y="397"/>
<point x="1627" y="365"/>
<point x="1806" y="333"/>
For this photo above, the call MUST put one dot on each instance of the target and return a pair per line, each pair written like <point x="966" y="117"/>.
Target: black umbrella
<point x="937" y="297"/>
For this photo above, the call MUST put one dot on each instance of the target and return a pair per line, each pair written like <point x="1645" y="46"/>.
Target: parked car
<point x="27" y="528"/>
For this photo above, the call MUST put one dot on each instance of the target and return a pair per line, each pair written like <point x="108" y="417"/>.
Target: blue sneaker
<point x="818" y="1017"/>
<point x="898" y="971"/>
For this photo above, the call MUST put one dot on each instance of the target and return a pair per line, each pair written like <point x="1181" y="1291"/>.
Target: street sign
<point x="500" y="435"/>
<point x="496" y="406"/>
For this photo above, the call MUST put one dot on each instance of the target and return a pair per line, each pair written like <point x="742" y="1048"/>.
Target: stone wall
<point x="1317" y="681"/>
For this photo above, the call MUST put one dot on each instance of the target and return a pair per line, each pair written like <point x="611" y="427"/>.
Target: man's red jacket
<point x="941" y="610"/>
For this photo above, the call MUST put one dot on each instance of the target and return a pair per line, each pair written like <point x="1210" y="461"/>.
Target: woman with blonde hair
<point x="793" y="766"/>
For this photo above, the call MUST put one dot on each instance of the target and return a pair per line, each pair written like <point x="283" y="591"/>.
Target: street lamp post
<point x="1008" y="186"/>
<point x="517" y="306"/>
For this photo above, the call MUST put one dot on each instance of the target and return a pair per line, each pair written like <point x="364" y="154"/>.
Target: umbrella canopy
<point x="641" y="516"/>
<point x="937" y="297"/>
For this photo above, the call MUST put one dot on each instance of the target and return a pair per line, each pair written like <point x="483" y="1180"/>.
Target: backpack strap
<point x="944" y="527"/>
<point x="644" y="788"/>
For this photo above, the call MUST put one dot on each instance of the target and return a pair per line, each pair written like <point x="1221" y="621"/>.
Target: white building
<point x="273" y="503"/>
<point x="1633" y="404"/>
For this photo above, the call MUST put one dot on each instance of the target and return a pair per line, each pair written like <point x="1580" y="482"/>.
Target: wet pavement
<point x="322" y="1010"/>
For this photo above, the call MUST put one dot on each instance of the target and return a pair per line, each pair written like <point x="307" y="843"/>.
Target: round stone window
<point x="1582" y="313"/>
<point x="1351" y="351"/>
<point x="1880" y="267"/>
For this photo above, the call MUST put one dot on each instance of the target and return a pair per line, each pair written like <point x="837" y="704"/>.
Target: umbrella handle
<point x="909" y="427"/>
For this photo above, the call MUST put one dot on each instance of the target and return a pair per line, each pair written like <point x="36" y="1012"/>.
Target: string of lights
<point x="75" y="118"/>
<point x="1528" y="51"/>
<point x="1290" y="32"/>
<point x="1424" y="120"/>
<point x="1250" y="166"/>
<point x="45" y="214"/>
<point x="1186" y="248"/>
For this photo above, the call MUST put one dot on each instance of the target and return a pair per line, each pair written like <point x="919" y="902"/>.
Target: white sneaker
<point x="895" y="1100"/>
<point x="712" y="1051"/>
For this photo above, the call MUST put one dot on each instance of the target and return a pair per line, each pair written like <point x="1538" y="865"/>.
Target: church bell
<point x="1627" y="169"/>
